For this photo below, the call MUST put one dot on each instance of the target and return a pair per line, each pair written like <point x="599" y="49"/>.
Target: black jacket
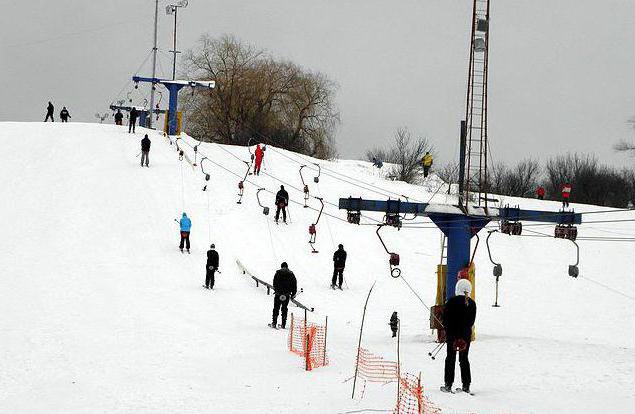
<point x="339" y="259"/>
<point x="118" y="116"/>
<point x="458" y="318"/>
<point x="64" y="114"/>
<point x="284" y="282"/>
<point x="145" y="144"/>
<point x="134" y="114"/>
<point x="50" y="109"/>
<point x="282" y="197"/>
<point x="212" y="258"/>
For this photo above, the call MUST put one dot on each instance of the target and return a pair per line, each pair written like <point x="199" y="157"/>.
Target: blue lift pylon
<point x="173" y="87"/>
<point x="458" y="225"/>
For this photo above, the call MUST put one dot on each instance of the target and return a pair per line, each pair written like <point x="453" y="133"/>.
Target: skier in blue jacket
<point x="186" y="224"/>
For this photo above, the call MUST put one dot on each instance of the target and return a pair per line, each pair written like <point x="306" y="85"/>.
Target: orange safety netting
<point x="308" y="340"/>
<point x="411" y="399"/>
<point x="374" y="368"/>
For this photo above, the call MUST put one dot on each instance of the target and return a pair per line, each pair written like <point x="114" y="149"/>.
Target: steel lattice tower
<point x="474" y="146"/>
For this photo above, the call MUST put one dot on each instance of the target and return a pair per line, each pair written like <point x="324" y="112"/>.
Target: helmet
<point x="463" y="287"/>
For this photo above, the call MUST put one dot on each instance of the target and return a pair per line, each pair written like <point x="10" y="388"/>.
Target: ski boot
<point x="447" y="388"/>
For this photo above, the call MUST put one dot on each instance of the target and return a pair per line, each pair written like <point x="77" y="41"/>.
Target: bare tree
<point x="449" y="174"/>
<point x="257" y="96"/>
<point x="406" y="153"/>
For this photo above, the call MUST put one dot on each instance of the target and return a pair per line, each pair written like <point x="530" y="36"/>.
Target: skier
<point x="377" y="163"/>
<point x="133" y="119"/>
<point x="211" y="267"/>
<point x="259" y="154"/>
<point x="427" y="163"/>
<point x="285" y="287"/>
<point x="540" y="192"/>
<point x="118" y="117"/>
<point x="566" y="193"/>
<point x="145" y="150"/>
<point x="339" y="262"/>
<point x="459" y="314"/>
<point x="282" y="201"/>
<point x="64" y="115"/>
<point x="49" y="112"/>
<point x="186" y="225"/>
<point x="394" y="324"/>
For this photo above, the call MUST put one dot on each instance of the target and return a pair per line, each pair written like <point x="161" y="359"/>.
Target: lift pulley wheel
<point x="353" y="217"/>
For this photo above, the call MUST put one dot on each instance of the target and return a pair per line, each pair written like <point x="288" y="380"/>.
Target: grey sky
<point x="562" y="72"/>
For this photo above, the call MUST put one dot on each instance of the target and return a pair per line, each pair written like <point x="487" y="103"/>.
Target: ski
<point x="460" y="390"/>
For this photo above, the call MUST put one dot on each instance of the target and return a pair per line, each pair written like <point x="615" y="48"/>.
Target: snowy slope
<point x="103" y="314"/>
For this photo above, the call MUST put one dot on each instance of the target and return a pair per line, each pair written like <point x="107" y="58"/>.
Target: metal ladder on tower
<point x="444" y="250"/>
<point x="476" y="145"/>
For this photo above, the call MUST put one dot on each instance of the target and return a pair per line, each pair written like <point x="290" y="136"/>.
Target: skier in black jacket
<point x="133" y="119"/>
<point x="459" y="314"/>
<point x="49" y="112"/>
<point x="211" y="267"/>
<point x="339" y="262"/>
<point x="64" y="115"/>
<point x="118" y="117"/>
<point x="282" y="201"/>
<point x="145" y="150"/>
<point x="285" y="287"/>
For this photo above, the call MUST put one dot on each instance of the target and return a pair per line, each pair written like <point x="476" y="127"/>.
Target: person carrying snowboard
<point x="49" y="112"/>
<point x="285" y="287"/>
<point x="133" y="119"/>
<point x="64" y="115"/>
<point x="339" y="262"/>
<point x="566" y="194"/>
<point x="145" y="151"/>
<point x="427" y="164"/>
<point x="259" y="154"/>
<point x="459" y="313"/>
<point x="211" y="267"/>
<point x="282" y="201"/>
<point x="118" y="117"/>
<point x="185" y="224"/>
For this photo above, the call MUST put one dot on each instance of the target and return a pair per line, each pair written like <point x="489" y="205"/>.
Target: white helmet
<point x="463" y="287"/>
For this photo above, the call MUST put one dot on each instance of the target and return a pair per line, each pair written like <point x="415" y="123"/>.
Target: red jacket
<point x="540" y="191"/>
<point x="566" y="190"/>
<point x="259" y="154"/>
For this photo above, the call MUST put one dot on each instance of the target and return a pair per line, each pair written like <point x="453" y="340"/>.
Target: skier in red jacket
<point x="566" y="193"/>
<point x="259" y="154"/>
<point x="540" y="192"/>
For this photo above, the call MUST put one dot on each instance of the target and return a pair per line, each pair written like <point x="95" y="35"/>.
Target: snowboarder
<point x="285" y="287"/>
<point x="339" y="262"/>
<point x="133" y="119"/>
<point x="459" y="314"/>
<point x="49" y="112"/>
<point x="394" y="324"/>
<point x="282" y="201"/>
<point x="186" y="224"/>
<point x="118" y="117"/>
<point x="566" y="193"/>
<point x="540" y="192"/>
<point x="211" y="267"/>
<point x="145" y="150"/>
<point x="259" y="154"/>
<point x="427" y="163"/>
<point x="64" y="115"/>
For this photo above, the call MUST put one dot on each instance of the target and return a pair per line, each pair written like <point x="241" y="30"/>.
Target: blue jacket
<point x="185" y="223"/>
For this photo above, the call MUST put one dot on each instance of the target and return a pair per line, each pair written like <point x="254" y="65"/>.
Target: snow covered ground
<point x="102" y="313"/>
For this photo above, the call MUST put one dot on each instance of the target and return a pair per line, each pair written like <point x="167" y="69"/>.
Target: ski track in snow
<point x="102" y="313"/>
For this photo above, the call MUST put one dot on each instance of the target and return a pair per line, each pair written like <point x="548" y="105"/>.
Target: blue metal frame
<point x="458" y="228"/>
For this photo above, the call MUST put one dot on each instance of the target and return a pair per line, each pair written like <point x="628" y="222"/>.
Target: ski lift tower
<point x="173" y="87"/>
<point x="461" y="222"/>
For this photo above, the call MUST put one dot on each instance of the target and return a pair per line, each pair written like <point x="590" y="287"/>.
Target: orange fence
<point x="374" y="368"/>
<point x="411" y="399"/>
<point x="308" y="340"/>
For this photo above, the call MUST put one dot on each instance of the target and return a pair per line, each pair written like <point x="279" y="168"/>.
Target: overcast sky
<point x="562" y="72"/>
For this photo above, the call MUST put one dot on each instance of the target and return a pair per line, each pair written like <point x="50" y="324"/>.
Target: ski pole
<point x="138" y="154"/>
<point x="435" y="350"/>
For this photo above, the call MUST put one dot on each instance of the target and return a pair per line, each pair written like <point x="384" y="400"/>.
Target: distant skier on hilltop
<point x="64" y="115"/>
<point x="282" y="201"/>
<point x="49" y="112"/>
<point x="259" y="155"/>
<point x="185" y="225"/>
